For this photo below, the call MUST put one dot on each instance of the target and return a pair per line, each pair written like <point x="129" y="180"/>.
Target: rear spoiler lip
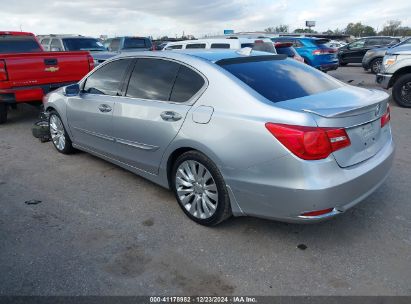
<point x="345" y="112"/>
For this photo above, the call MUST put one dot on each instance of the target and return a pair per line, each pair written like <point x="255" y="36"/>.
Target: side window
<point x="56" y="45"/>
<point x="244" y="45"/>
<point x="357" y="44"/>
<point x="186" y="85"/>
<point x="152" y="79"/>
<point x="107" y="79"/>
<point x="390" y="41"/>
<point x="196" y="46"/>
<point x="115" y="44"/>
<point x="373" y="42"/>
<point x="220" y="46"/>
<point x="45" y="41"/>
<point x="45" y="44"/>
<point x="175" y="47"/>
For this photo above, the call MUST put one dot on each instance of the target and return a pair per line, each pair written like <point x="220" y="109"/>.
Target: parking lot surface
<point x="100" y="230"/>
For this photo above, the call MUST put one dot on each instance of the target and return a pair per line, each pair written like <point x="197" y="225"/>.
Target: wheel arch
<point x="398" y="74"/>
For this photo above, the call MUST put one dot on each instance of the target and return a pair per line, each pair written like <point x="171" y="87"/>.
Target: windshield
<point x="83" y="44"/>
<point x="18" y="44"/>
<point x="279" y="79"/>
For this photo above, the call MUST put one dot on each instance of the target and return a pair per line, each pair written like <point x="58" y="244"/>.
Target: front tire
<point x="200" y="189"/>
<point x="401" y="91"/>
<point x="375" y="65"/>
<point x="58" y="134"/>
<point x="3" y="112"/>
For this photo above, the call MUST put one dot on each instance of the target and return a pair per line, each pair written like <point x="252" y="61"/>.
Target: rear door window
<point x="373" y="42"/>
<point x="187" y="84"/>
<point x="279" y="79"/>
<point x="152" y="79"/>
<point x="196" y="46"/>
<point x="107" y="79"/>
<point x="18" y="44"/>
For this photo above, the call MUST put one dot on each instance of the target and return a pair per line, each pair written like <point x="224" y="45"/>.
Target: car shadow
<point x="23" y="113"/>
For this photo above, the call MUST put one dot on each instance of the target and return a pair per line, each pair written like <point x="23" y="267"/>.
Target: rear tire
<point x="375" y="65"/>
<point x="401" y="91"/>
<point x="3" y="112"/>
<point x="342" y="63"/>
<point x="200" y="189"/>
<point x="58" y="134"/>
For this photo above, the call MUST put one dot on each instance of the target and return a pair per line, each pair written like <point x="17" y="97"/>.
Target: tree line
<point x="391" y="28"/>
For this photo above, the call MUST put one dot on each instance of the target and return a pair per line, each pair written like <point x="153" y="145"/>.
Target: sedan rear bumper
<point x="315" y="185"/>
<point x="328" y="67"/>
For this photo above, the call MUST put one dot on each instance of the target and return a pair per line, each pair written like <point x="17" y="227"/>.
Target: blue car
<point x="314" y="51"/>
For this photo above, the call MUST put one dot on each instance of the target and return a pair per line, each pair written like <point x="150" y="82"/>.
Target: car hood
<point x="400" y="50"/>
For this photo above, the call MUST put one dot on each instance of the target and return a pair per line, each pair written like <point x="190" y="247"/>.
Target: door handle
<point x="104" y="108"/>
<point x="170" y="116"/>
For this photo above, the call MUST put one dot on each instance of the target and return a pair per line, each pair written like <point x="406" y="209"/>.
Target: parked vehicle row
<point x="355" y="51"/>
<point x="67" y="43"/>
<point x="314" y="51"/>
<point x="373" y="58"/>
<point x="229" y="132"/>
<point x="27" y="72"/>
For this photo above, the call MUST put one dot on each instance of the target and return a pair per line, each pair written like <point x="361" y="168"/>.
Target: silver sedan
<point x="231" y="133"/>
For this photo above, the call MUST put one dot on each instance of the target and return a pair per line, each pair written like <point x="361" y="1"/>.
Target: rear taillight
<point x="90" y="62"/>
<point x="309" y="143"/>
<point x="318" y="212"/>
<point x="386" y="117"/>
<point x="324" y="51"/>
<point x="3" y="71"/>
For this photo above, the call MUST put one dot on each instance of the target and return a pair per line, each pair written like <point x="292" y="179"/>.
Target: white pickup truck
<point x="396" y="73"/>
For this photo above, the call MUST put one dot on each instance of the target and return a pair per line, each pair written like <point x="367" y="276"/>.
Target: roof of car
<point x="212" y="55"/>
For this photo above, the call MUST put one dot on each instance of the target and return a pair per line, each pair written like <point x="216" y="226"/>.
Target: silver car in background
<point x="231" y="133"/>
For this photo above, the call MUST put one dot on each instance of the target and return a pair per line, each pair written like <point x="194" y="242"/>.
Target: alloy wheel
<point x="57" y="132"/>
<point x="196" y="189"/>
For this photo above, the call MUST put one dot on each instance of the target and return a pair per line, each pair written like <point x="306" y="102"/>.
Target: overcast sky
<point x="158" y="17"/>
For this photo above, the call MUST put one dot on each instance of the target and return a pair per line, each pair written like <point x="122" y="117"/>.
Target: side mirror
<point x="71" y="90"/>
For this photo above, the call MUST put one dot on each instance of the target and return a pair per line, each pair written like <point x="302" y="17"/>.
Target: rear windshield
<point x="289" y="51"/>
<point x="137" y="43"/>
<point x="279" y="79"/>
<point x="320" y="41"/>
<point x="83" y="44"/>
<point x="18" y="44"/>
<point x="264" y="47"/>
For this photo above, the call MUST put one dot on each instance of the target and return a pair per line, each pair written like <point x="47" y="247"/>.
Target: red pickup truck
<point x="27" y="72"/>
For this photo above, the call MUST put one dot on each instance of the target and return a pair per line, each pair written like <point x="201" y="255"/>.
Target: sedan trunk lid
<point x="357" y="110"/>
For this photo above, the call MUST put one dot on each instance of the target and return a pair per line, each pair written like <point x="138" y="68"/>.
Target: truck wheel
<point x="401" y="91"/>
<point x="58" y="134"/>
<point x="3" y="112"/>
<point x="375" y="65"/>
